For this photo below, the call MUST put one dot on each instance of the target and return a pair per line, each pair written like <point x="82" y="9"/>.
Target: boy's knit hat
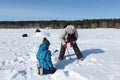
<point x="46" y="41"/>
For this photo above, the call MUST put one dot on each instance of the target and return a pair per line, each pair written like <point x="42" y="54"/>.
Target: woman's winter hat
<point x="46" y="41"/>
<point x="70" y="29"/>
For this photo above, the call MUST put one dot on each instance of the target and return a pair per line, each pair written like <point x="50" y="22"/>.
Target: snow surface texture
<point x="100" y="48"/>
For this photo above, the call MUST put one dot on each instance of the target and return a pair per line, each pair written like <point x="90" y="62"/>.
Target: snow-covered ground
<point x="100" y="48"/>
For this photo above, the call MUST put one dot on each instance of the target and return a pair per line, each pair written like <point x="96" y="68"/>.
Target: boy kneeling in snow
<point x="44" y="58"/>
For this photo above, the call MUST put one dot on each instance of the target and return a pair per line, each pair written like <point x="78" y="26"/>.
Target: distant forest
<point x="56" y="24"/>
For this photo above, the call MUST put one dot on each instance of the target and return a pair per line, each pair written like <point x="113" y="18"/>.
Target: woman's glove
<point x="71" y="44"/>
<point x="65" y="45"/>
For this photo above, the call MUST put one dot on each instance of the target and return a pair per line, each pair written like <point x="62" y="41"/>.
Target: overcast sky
<point x="58" y="9"/>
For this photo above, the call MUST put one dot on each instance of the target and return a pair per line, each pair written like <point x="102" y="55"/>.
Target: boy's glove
<point x="65" y="45"/>
<point x="71" y="44"/>
<point x="52" y="70"/>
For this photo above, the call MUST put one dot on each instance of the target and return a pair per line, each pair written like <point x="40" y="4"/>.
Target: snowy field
<point x="100" y="48"/>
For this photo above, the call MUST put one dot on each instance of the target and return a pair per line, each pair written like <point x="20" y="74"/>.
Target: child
<point x="44" y="58"/>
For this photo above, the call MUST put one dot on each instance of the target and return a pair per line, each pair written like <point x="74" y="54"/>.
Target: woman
<point x="69" y="35"/>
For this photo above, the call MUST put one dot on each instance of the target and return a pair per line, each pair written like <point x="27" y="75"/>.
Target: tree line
<point x="56" y="24"/>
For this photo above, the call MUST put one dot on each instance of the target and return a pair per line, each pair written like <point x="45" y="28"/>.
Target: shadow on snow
<point x="91" y="51"/>
<point x="62" y="63"/>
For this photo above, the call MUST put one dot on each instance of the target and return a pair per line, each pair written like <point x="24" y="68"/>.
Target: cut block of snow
<point x="38" y="34"/>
